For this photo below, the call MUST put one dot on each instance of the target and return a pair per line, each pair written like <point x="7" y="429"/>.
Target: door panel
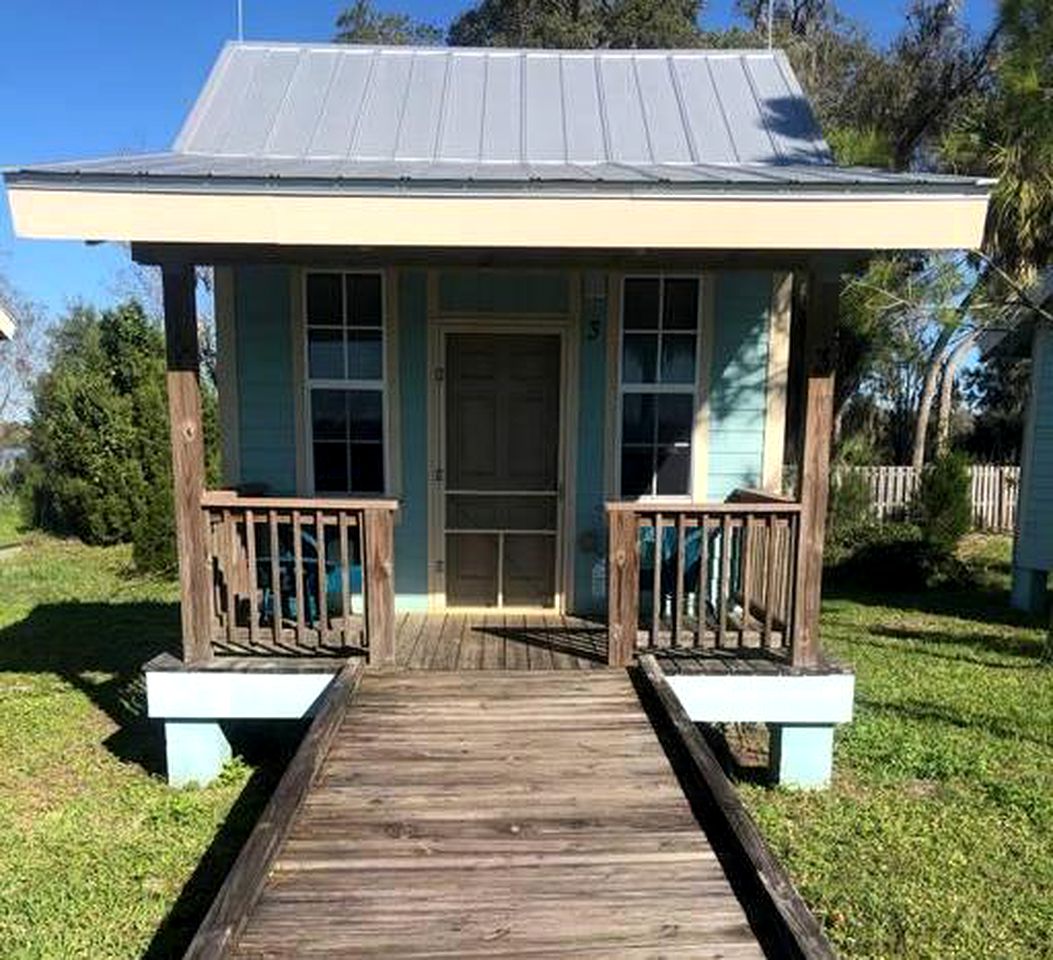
<point x="502" y="468"/>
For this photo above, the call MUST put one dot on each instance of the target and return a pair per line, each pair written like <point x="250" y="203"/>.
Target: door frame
<point x="438" y="332"/>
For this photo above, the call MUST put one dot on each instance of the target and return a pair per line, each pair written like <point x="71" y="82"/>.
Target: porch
<point x="312" y="578"/>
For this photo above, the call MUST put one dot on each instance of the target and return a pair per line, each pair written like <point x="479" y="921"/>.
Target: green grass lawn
<point x="936" y="839"/>
<point x="95" y="848"/>
<point x="10" y="522"/>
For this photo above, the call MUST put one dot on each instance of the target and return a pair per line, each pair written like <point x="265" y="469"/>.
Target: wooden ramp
<point x="494" y="814"/>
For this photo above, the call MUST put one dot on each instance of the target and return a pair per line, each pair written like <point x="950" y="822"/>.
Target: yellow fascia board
<point x="836" y="221"/>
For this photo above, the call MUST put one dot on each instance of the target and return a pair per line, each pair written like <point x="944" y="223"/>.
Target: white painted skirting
<point x="218" y="695"/>
<point x="745" y="698"/>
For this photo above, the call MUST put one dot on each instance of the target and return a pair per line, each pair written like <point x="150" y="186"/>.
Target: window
<point x="659" y="368"/>
<point x="345" y="380"/>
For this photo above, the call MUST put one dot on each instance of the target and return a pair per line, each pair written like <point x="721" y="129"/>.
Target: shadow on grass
<point x="978" y="601"/>
<point x="924" y="712"/>
<point x="99" y="649"/>
<point x="269" y="746"/>
<point x="985" y="642"/>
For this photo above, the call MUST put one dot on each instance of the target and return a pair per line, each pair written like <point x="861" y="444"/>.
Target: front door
<point x="502" y="469"/>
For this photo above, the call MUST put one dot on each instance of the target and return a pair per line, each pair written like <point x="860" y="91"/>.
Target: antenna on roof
<point x="241" y="21"/>
<point x="771" y="20"/>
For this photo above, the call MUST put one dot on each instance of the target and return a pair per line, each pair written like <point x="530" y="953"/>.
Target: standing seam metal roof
<point x="288" y="116"/>
<point x="407" y="104"/>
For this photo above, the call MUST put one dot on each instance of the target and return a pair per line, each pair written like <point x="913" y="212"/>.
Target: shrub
<point x="892" y="556"/>
<point x="943" y="505"/>
<point x="850" y="520"/>
<point x="99" y="463"/>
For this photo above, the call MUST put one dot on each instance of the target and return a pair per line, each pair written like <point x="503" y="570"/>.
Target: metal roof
<point x="330" y="115"/>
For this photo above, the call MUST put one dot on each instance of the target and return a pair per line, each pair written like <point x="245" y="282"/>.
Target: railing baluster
<point x="276" y="577"/>
<point x="297" y="534"/>
<point x="254" y="601"/>
<point x="323" y="610"/>
<point x="725" y="578"/>
<point x="678" y="582"/>
<point x="656" y="581"/>
<point x="702" y="600"/>
<point x="772" y="557"/>
<point x="230" y="567"/>
<point x="345" y="581"/>
<point x="747" y="575"/>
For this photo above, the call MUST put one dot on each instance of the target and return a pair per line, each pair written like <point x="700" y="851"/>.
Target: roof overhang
<point x="479" y="215"/>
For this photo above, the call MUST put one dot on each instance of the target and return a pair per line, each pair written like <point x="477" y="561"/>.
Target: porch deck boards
<point x="498" y="641"/>
<point x="496" y="814"/>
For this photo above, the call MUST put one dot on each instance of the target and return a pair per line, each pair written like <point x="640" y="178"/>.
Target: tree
<point x="20" y="356"/>
<point x="99" y="463"/>
<point x="363" y="23"/>
<point x="578" y="23"/>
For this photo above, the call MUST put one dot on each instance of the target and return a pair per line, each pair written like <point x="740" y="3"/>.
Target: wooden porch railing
<point x="300" y="576"/>
<point x="702" y="575"/>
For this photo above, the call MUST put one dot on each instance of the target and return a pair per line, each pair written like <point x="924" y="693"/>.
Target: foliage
<point x="99" y="464"/>
<point x="1009" y="135"/>
<point x="572" y="24"/>
<point x="20" y="356"/>
<point x="95" y="849"/>
<point x="997" y="390"/>
<point x="850" y="519"/>
<point x="936" y="838"/>
<point x="943" y="506"/>
<point x="363" y="23"/>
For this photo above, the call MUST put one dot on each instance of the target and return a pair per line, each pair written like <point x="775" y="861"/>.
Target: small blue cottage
<point x="514" y="346"/>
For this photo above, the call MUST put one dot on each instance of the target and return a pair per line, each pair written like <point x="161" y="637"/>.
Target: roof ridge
<point x="657" y="52"/>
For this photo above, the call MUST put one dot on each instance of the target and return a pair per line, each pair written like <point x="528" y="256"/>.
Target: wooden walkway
<point x="493" y="814"/>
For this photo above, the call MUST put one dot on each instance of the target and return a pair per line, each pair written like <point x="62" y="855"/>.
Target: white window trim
<point x="695" y="389"/>
<point x="323" y="383"/>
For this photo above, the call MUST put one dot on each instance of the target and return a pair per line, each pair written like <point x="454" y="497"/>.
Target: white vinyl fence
<point x="994" y="493"/>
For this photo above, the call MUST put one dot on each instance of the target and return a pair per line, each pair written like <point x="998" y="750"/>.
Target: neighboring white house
<point x="1033" y="545"/>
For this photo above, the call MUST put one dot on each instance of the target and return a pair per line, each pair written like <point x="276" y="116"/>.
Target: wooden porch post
<point x="813" y="483"/>
<point x="380" y="585"/>
<point x="623" y="587"/>
<point x="188" y="457"/>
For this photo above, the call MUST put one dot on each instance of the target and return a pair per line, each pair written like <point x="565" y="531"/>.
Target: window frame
<point x="345" y="384"/>
<point x="657" y="389"/>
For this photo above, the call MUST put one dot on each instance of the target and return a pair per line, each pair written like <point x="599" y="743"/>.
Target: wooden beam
<point x="225" y="920"/>
<point x="778" y="915"/>
<point x="188" y="457"/>
<point x="623" y="586"/>
<point x="379" y="569"/>
<point x="813" y="465"/>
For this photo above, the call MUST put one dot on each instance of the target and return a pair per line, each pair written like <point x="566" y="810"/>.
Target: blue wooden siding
<point x="590" y="587"/>
<point x="737" y="396"/>
<point x="1034" y="543"/>
<point x="411" y="534"/>
<point x="738" y="381"/>
<point x="266" y="408"/>
<point x="503" y="291"/>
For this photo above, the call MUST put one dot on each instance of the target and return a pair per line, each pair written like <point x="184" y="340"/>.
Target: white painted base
<point x="1029" y="589"/>
<point x="222" y="695"/>
<point x="800" y="710"/>
<point x="195" y="752"/>
<point x="191" y="702"/>
<point x="801" y="756"/>
<point x="767" y="698"/>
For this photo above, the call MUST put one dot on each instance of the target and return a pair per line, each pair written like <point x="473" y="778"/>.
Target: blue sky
<point x="117" y="76"/>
